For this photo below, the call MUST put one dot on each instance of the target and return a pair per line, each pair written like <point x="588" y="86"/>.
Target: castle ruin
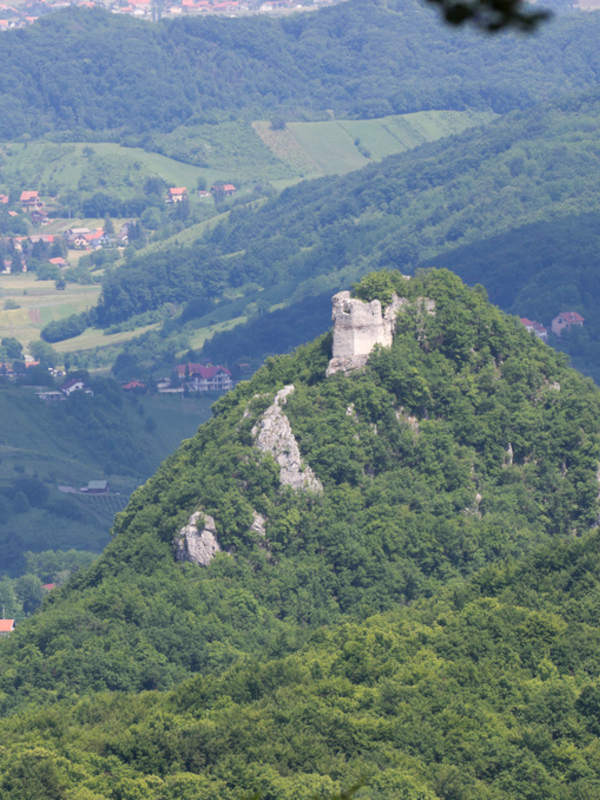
<point x="357" y="327"/>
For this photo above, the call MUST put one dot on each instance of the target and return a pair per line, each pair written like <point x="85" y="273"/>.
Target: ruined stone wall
<point x="357" y="327"/>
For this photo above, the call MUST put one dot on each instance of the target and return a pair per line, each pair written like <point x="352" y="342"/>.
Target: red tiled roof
<point x="134" y="385"/>
<point x="28" y="195"/>
<point x="200" y="369"/>
<point x="571" y="316"/>
<point x="532" y="323"/>
<point x="48" y="586"/>
<point x="177" y="190"/>
<point x="7" y="625"/>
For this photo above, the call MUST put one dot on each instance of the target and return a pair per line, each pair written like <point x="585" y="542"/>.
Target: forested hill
<point x="489" y="692"/>
<point x="529" y="166"/>
<point x="88" y="72"/>
<point x="466" y="442"/>
<point x="449" y="487"/>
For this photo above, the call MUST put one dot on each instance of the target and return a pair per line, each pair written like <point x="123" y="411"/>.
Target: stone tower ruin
<point x="357" y="327"/>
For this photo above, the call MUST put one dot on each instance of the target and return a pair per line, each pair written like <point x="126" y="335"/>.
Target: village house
<point x="75" y="385"/>
<point x="200" y="378"/>
<point x="51" y="396"/>
<point x="220" y="190"/>
<point x="134" y="386"/>
<point x="94" y="239"/>
<point x="75" y="237"/>
<point x="535" y="327"/>
<point x="565" y="321"/>
<point x="3" y="199"/>
<point x="96" y="487"/>
<point x="30" y="200"/>
<point x="39" y="216"/>
<point x="177" y="194"/>
<point x="6" y="626"/>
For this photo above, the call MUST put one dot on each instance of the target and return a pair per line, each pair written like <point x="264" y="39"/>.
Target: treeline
<point x="45" y="571"/>
<point x="85" y="71"/>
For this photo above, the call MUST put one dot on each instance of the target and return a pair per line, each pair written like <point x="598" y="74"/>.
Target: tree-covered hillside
<point x="486" y="692"/>
<point x="530" y="167"/>
<point x="87" y="71"/>
<point x="466" y="442"/>
<point x="453" y="494"/>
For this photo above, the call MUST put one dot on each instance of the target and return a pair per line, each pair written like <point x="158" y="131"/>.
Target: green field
<point x="39" y="303"/>
<point x="339" y="146"/>
<point x="230" y="151"/>
<point x="226" y="151"/>
<point x="53" y="168"/>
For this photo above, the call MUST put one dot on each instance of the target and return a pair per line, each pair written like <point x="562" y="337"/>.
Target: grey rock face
<point x="258" y="524"/>
<point x="273" y="434"/>
<point x="197" y="541"/>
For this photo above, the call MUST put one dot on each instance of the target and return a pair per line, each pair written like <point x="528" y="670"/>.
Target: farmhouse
<point x="535" y="327"/>
<point x="6" y="626"/>
<point x="223" y="189"/>
<point x="30" y="200"/>
<point x="177" y="194"/>
<point x="200" y="378"/>
<point x="566" y="320"/>
<point x="75" y="385"/>
<point x="134" y="386"/>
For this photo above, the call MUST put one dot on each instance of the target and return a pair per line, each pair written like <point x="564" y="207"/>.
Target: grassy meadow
<point x="54" y="168"/>
<point x="339" y="146"/>
<point x="39" y="303"/>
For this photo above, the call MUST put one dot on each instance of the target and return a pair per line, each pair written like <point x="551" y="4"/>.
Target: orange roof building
<point x="566" y="320"/>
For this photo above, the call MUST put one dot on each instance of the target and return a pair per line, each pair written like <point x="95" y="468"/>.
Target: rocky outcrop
<point x="258" y="524"/>
<point x="273" y="434"/>
<point x="197" y="541"/>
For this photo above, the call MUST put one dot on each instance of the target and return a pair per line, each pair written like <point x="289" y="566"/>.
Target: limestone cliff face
<point x="357" y="327"/>
<point x="273" y="434"/>
<point x="197" y="541"/>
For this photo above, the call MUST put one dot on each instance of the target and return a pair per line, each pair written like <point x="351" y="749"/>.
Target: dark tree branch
<point x="492" y="15"/>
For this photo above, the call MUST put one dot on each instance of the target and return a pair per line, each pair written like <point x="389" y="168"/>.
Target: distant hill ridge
<point x="90" y="72"/>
